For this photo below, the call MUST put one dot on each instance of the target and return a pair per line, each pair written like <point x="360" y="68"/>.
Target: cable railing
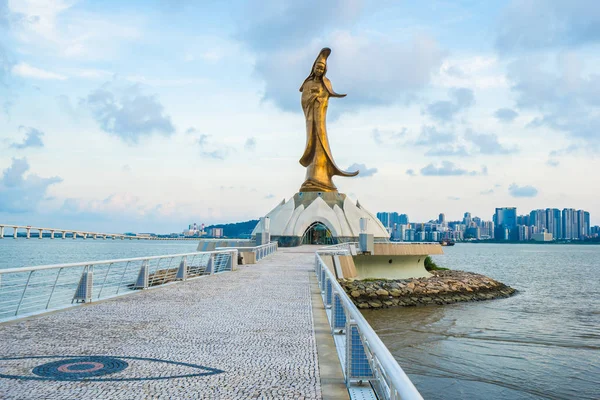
<point x="33" y="290"/>
<point x="363" y="356"/>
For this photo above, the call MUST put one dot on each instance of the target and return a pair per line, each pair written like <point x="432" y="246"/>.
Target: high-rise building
<point x="581" y="230"/>
<point x="467" y="219"/>
<point x="384" y="217"/>
<point x="587" y="223"/>
<point x="523" y="232"/>
<point x="506" y="216"/>
<point x="554" y="222"/>
<point x="442" y="219"/>
<point x="505" y="220"/>
<point x="403" y="219"/>
<point x="568" y="218"/>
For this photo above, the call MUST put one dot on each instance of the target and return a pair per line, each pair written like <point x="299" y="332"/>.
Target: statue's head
<point x="319" y="68"/>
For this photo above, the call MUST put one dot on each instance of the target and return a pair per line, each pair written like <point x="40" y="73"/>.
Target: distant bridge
<point x="75" y="233"/>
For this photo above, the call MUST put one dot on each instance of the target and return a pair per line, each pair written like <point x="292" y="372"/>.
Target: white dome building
<point x="320" y="218"/>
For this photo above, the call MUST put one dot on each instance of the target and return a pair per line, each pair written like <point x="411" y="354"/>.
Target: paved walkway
<point x="245" y="334"/>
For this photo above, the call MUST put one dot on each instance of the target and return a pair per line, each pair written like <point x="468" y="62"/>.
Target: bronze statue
<point x="317" y="157"/>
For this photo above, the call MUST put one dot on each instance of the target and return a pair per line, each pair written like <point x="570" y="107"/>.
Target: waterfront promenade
<point x="258" y="332"/>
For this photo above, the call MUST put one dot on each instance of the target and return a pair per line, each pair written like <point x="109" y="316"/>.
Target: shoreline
<point x="444" y="287"/>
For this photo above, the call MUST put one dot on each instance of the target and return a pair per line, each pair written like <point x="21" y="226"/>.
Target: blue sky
<point x="149" y="115"/>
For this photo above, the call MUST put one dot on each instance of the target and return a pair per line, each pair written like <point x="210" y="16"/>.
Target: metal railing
<point x="32" y="290"/>
<point x="363" y="355"/>
<point x="260" y="252"/>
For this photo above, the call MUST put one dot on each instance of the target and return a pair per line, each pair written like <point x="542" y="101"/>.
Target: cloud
<point x="116" y="205"/>
<point x="250" y="144"/>
<point x="203" y="140"/>
<point x="287" y="23"/>
<point x="444" y="111"/>
<point x="553" y="163"/>
<point x="447" y="168"/>
<point x="448" y="151"/>
<point x="540" y="24"/>
<point x="453" y="198"/>
<point x="505" y="114"/>
<point x="270" y="196"/>
<point x="488" y="144"/>
<point x="430" y="136"/>
<point x="487" y="192"/>
<point x="372" y="69"/>
<point x="5" y="65"/>
<point x="558" y="88"/>
<point x="4" y="14"/>
<point x="58" y="29"/>
<point x="210" y="149"/>
<point x="364" y="170"/>
<point x="128" y="113"/>
<point x="411" y="172"/>
<point x="387" y="138"/>
<point x="27" y="71"/>
<point x="22" y="193"/>
<point x="33" y="138"/>
<point x="522" y="191"/>
<point x="566" y="151"/>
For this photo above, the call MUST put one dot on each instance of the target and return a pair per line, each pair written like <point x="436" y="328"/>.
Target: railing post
<point x="210" y="265"/>
<point x="53" y="287"/>
<point x="1" y="232"/>
<point x="232" y="262"/>
<point x="357" y="363"/>
<point x="182" y="271"/>
<point x="84" y="288"/>
<point x="338" y="316"/>
<point x="23" y="294"/>
<point x="328" y="292"/>
<point x="143" y="278"/>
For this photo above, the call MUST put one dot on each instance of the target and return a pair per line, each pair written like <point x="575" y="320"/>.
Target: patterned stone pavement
<point x="247" y="334"/>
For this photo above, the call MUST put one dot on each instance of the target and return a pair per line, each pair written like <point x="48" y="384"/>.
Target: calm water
<point x="24" y="253"/>
<point x="543" y="343"/>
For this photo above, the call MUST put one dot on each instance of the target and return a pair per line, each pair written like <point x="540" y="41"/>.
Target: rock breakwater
<point x="444" y="287"/>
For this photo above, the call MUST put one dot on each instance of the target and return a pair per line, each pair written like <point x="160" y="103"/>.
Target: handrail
<point x="394" y="374"/>
<point x="102" y="262"/>
<point x="33" y="290"/>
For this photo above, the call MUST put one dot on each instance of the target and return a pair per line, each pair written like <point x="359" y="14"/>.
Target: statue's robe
<point x="317" y="156"/>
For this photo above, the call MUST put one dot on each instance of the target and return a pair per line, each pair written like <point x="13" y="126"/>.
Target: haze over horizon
<point x="146" y="116"/>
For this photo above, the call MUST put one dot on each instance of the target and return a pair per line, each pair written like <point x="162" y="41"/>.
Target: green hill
<point x="237" y="229"/>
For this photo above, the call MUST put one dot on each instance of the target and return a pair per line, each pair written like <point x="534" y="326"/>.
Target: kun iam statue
<point x="320" y="167"/>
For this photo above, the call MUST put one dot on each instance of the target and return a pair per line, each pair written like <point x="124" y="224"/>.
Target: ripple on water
<point x="541" y="343"/>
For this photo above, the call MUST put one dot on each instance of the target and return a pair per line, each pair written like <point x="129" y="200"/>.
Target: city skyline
<point x="506" y="224"/>
<point x="138" y="116"/>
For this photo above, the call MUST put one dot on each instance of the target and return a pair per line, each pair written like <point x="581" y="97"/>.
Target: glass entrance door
<point x="317" y="233"/>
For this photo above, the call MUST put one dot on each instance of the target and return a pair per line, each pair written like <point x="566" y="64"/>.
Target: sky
<point x="150" y="115"/>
